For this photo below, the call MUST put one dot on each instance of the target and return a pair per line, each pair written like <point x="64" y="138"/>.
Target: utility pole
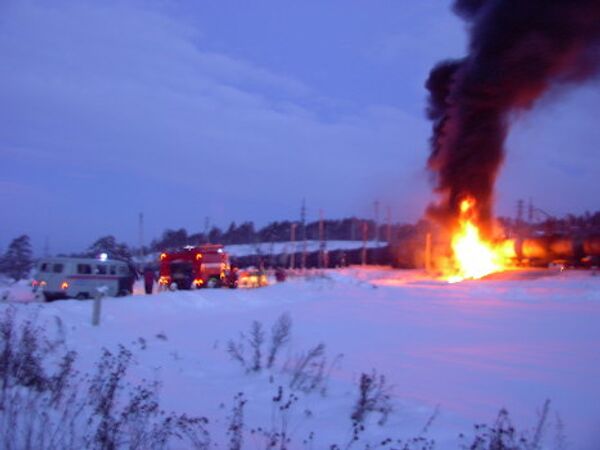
<point x="428" y="253"/>
<point x="303" y="222"/>
<point x="376" y="208"/>
<point x="365" y="235"/>
<point x="141" y="234"/>
<point x="321" y="240"/>
<point x="46" y="247"/>
<point x="206" y="228"/>
<point x="293" y="240"/>
<point x="388" y="214"/>
<point x="530" y="211"/>
<point x="520" y="212"/>
<point x="376" y="251"/>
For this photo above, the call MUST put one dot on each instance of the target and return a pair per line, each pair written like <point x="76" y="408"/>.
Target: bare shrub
<point x="536" y="440"/>
<point x="235" y="429"/>
<point x="278" y="435"/>
<point x="429" y="423"/>
<point x="307" y="370"/>
<point x="46" y="404"/>
<point x="236" y="352"/>
<point x="502" y="435"/>
<point x="136" y="421"/>
<point x="560" y="440"/>
<point x="374" y="396"/>
<point x="280" y="336"/>
<point x="256" y="340"/>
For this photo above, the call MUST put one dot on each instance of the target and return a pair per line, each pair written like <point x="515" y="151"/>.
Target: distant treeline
<point x="246" y="233"/>
<point x="405" y="239"/>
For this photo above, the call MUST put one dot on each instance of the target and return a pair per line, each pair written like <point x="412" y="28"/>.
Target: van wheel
<point x="212" y="283"/>
<point x="82" y="296"/>
<point x="48" y="297"/>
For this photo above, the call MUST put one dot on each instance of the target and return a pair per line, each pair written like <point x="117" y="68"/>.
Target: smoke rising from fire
<point x="518" y="50"/>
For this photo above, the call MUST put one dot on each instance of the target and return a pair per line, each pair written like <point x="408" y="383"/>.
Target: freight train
<point x="569" y="251"/>
<point x="532" y="251"/>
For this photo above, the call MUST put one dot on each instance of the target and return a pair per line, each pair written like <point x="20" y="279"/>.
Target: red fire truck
<point x="196" y="267"/>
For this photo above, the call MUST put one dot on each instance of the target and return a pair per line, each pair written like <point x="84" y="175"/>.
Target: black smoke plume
<point x="518" y="50"/>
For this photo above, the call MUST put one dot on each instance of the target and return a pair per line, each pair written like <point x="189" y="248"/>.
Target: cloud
<point x="126" y="93"/>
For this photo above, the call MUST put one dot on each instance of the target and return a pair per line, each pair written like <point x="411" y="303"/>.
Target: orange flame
<point x="474" y="257"/>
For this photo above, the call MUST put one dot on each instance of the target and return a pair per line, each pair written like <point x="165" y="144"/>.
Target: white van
<point x="65" y="277"/>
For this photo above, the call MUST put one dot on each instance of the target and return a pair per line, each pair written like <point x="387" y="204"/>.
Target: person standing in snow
<point x="148" y="279"/>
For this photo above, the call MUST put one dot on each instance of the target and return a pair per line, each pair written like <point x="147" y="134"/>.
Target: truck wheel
<point x="212" y="283"/>
<point x="82" y="296"/>
<point x="123" y="293"/>
<point x="173" y="287"/>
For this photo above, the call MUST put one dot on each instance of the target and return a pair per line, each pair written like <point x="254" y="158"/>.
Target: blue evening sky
<point x="237" y="110"/>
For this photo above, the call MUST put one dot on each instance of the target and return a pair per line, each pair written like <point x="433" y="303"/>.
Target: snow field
<point x="470" y="348"/>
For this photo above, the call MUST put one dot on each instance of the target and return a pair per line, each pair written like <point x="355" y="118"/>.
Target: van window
<point x="58" y="268"/>
<point x="84" y="269"/>
<point x="44" y="267"/>
<point x="113" y="270"/>
<point x="101" y="270"/>
<point x="123" y="270"/>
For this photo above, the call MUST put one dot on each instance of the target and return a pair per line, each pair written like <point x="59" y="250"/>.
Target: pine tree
<point x="110" y="246"/>
<point x="18" y="259"/>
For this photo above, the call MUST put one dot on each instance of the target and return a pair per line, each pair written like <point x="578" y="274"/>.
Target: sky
<point x="237" y="111"/>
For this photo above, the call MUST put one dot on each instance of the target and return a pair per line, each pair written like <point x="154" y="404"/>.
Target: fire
<point x="474" y="257"/>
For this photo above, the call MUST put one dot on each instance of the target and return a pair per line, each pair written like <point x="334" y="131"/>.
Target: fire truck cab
<point x="195" y="267"/>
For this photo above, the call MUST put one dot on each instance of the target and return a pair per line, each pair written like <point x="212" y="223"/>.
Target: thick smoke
<point x="518" y="49"/>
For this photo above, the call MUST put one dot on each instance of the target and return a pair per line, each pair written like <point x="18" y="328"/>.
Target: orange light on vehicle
<point x="198" y="256"/>
<point x="198" y="281"/>
<point x="163" y="280"/>
<point x="64" y="285"/>
<point x="163" y="256"/>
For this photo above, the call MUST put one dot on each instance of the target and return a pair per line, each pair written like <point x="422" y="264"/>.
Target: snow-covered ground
<point x="470" y="348"/>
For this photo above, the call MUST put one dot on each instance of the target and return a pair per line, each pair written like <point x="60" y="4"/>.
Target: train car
<point x="570" y="251"/>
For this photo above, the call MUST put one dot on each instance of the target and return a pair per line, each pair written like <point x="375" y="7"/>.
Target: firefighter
<point x="148" y="279"/>
<point x="232" y="277"/>
<point x="280" y="274"/>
